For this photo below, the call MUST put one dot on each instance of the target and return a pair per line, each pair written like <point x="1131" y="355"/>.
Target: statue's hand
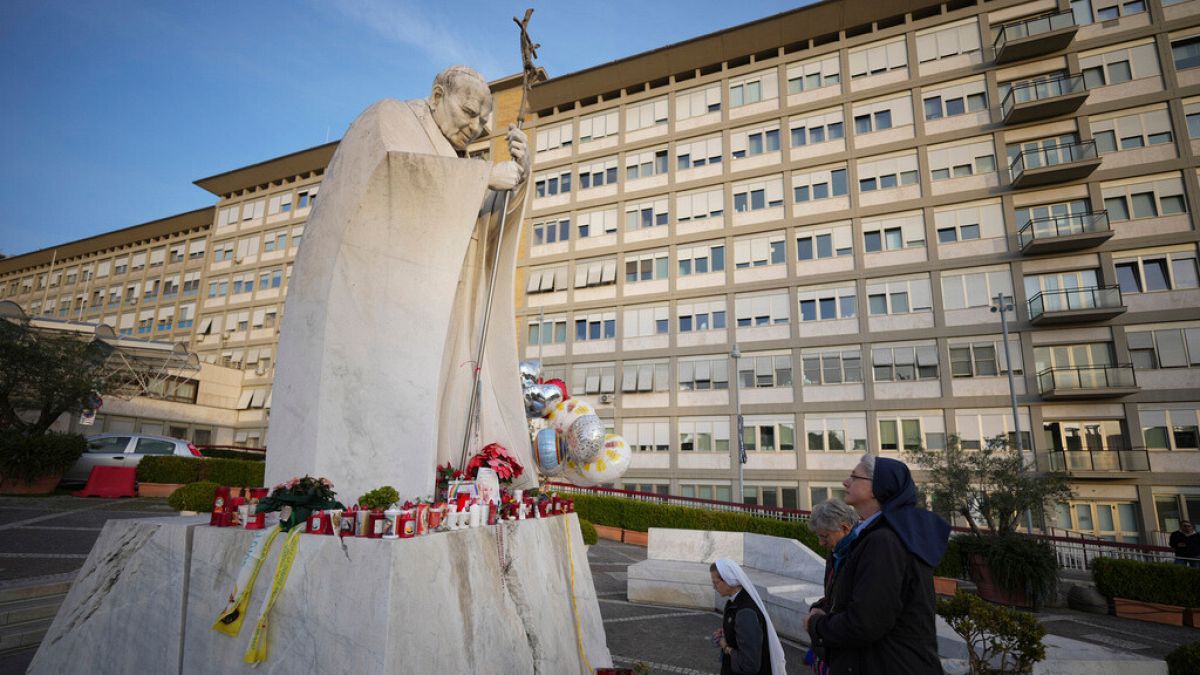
<point x="518" y="147"/>
<point x="505" y="175"/>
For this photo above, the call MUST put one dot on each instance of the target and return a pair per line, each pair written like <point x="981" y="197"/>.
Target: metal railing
<point x="693" y="502"/>
<point x="1136" y="459"/>
<point x="1018" y="30"/>
<point x="1063" y="226"/>
<point x="1075" y="299"/>
<point x="1041" y="91"/>
<point x="1076" y="550"/>
<point x="1053" y="155"/>
<point x="1086" y="377"/>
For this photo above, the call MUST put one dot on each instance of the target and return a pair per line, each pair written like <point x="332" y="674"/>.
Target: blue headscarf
<point x="923" y="533"/>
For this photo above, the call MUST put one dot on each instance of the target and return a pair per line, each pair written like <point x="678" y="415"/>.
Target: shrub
<point x="952" y="563"/>
<point x="28" y="458"/>
<point x="1019" y="564"/>
<point x="196" y="496"/>
<point x="227" y="453"/>
<point x="172" y="469"/>
<point x="1184" y="660"/>
<point x="588" y="530"/>
<point x="1164" y="583"/>
<point x="999" y="639"/>
<point x="380" y="498"/>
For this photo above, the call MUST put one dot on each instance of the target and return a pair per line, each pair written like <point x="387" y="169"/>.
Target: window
<point x="701" y="373"/>
<point x="698" y="153"/>
<point x="821" y="242"/>
<point x="905" y="363"/>
<point x="1191" y="112"/>
<point x="552" y="183"/>
<point x="886" y="173"/>
<point x="769" y="433"/>
<point x="281" y="203"/>
<point x="827" y="304"/>
<point x="596" y="272"/>
<point x="832" y="365"/>
<point x="646" y="267"/>
<point x="700" y="204"/>
<point x="647" y="435"/>
<point x="703" y="258"/>
<point x="139" y="261"/>
<point x="701" y="315"/>
<point x="898" y="296"/>
<point x="1164" y="348"/>
<point x="814" y="74"/>
<point x="644" y="215"/>
<point x="596" y="223"/>
<point x="227" y="217"/>
<point x="976" y="427"/>
<point x="254" y="210"/>
<point x="555" y="137"/>
<point x="1090" y="11"/>
<point x="638" y="165"/>
<point x="1186" y="53"/>
<point x="704" y="434"/>
<point x="551" y="231"/>
<point x="817" y="128"/>
<point x="698" y="101"/>
<point x="754" y="141"/>
<point x="176" y="255"/>
<point x="1085" y="436"/>
<point x="977" y="288"/>
<point x="747" y="89"/>
<point x="756" y="195"/>
<point x="1064" y="217"/>
<point x="983" y="358"/>
<point x="598" y="173"/>
<point x="759" y="251"/>
<point x="1119" y="65"/>
<point x="1131" y="131"/>
<point x="546" y="331"/>
<point x="818" y="184"/>
<point x="1144" y="199"/>
<point x="967" y="223"/>
<point x="307" y="198"/>
<point x="595" y="326"/>
<point x="1153" y="272"/>
<point x="646" y="114"/>
<point x="878" y="58"/>
<point x="709" y="492"/>
<point x="762" y="309"/>
<point x="894" y="232"/>
<point x="593" y="378"/>
<point x="1173" y="428"/>
<point x="961" y="159"/>
<point x="952" y="101"/>
<point x="218" y="288"/>
<point x="599" y="125"/>
<point x="945" y="41"/>
<point x="646" y="321"/>
<point x="911" y="431"/>
<point x="1088" y="355"/>
<point x="546" y="280"/>
<point x="764" y="371"/>
<point x="879" y="115"/>
<point x="836" y="433"/>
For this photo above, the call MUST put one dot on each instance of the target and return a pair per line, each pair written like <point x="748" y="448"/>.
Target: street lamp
<point x="1003" y="305"/>
<point x="734" y="355"/>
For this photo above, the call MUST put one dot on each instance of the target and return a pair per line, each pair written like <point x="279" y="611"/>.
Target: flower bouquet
<point x="496" y="457"/>
<point x="297" y="498"/>
<point x="445" y="474"/>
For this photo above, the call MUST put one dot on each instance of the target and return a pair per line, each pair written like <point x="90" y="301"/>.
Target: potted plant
<point x="995" y="484"/>
<point x="1158" y="592"/>
<point x="380" y="498"/>
<point x="999" y="640"/>
<point x="35" y="463"/>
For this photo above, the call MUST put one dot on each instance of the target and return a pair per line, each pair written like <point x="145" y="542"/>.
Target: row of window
<point x="292" y="203"/>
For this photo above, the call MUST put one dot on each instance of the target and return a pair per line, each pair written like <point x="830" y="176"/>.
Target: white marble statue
<point x="385" y="303"/>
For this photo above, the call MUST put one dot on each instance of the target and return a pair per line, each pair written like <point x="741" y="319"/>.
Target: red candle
<point x="375" y="525"/>
<point x="407" y="524"/>
<point x="220" y="501"/>
<point x="491" y="519"/>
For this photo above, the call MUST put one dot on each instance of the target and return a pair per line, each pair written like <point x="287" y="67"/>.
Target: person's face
<point x="858" y="486"/>
<point x="719" y="585"/>
<point x="1186" y="527"/>
<point x="461" y="111"/>
<point x="830" y="538"/>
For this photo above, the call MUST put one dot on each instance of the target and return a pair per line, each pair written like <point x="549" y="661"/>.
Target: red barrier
<point x="110" y="481"/>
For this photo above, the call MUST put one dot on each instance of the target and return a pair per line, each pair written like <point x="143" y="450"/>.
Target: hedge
<point x="226" y="453"/>
<point x="641" y="516"/>
<point x="1164" y="583"/>
<point x="29" y="458"/>
<point x="588" y="531"/>
<point x="172" y="469"/>
<point x="193" y="497"/>
<point x="952" y="563"/>
<point x="1184" y="660"/>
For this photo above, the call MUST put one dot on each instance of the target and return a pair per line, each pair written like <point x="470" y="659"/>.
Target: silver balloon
<point x="585" y="438"/>
<point x="540" y="398"/>
<point x="531" y="370"/>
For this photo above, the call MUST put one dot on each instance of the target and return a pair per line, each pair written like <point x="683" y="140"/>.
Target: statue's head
<point x="461" y="103"/>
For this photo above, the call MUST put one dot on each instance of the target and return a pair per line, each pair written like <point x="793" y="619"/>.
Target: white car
<point x="124" y="450"/>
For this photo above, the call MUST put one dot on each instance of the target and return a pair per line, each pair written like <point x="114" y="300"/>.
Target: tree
<point x="993" y="483"/>
<point x="46" y="374"/>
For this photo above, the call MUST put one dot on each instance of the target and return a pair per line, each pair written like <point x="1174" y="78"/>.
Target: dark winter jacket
<point x="745" y="631"/>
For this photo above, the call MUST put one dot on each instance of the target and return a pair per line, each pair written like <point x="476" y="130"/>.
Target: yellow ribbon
<point x="574" y="606"/>
<point x="257" y="651"/>
<point x="230" y="620"/>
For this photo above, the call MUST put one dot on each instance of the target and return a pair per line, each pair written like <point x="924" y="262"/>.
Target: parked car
<point x="124" y="450"/>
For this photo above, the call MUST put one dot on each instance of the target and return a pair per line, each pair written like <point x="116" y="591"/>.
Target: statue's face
<point x="461" y="111"/>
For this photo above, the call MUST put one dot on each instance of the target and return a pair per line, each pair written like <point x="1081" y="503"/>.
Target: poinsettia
<point x="496" y="457"/>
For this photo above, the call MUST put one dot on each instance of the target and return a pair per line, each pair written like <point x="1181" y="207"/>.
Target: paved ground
<point x="48" y="536"/>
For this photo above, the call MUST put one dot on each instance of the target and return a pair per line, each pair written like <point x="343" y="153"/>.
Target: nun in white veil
<point x="747" y="637"/>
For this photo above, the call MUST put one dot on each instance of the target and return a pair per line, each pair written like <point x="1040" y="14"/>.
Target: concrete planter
<point x="1191" y="617"/>
<point x="157" y="489"/>
<point x="41" y="486"/>
<point x="608" y="532"/>
<point x="945" y="585"/>
<point x="1172" y="615"/>
<point x="636" y="538"/>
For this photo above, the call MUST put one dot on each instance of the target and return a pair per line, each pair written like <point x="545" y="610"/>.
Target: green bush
<point x="172" y="469"/>
<point x="193" y="496"/>
<point x="29" y="458"/>
<point x="226" y="453"/>
<point x="995" y="635"/>
<point x="951" y="565"/>
<point x="1164" y="583"/>
<point x="379" y="498"/>
<point x="1184" y="660"/>
<point x="641" y="516"/>
<point x="1019" y="564"/>
<point x="588" y="530"/>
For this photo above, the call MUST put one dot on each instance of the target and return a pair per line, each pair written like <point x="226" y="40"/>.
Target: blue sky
<point x="111" y="108"/>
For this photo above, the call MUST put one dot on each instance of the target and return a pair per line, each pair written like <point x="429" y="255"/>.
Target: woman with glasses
<point x="880" y="614"/>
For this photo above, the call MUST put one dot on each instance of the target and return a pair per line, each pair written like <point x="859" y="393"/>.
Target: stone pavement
<point x="48" y="537"/>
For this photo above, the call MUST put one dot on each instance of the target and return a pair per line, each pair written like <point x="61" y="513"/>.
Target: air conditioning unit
<point x="606" y="398"/>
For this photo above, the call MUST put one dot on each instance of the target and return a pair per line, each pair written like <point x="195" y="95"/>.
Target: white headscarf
<point x="733" y="574"/>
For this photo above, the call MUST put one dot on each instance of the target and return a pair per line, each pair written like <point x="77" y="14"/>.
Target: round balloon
<point x="608" y="467"/>
<point x="548" y="451"/>
<point x="585" y="438"/>
<point x="531" y="370"/>
<point x="563" y="414"/>
<point x="562" y="386"/>
<point x="540" y="399"/>
<point x="570" y="473"/>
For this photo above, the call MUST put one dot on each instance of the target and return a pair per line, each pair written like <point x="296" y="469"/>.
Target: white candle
<point x="476" y="515"/>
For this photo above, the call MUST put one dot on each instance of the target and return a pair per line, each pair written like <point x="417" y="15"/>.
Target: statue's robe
<point x="384" y="305"/>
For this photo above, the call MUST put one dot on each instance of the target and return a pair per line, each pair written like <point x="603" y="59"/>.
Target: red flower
<point x="497" y="458"/>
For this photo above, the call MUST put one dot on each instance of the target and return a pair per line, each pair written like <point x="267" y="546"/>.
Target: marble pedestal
<point x="149" y="592"/>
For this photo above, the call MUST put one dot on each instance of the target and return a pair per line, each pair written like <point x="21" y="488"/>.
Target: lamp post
<point x="1003" y="304"/>
<point x="734" y="355"/>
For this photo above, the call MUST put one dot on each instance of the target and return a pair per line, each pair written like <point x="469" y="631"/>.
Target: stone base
<point x="149" y="592"/>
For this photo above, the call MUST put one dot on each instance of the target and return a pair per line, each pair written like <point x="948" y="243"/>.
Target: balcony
<point x="1075" y="305"/>
<point x="1034" y="37"/>
<point x="1087" y="382"/>
<point x="1053" y="164"/>
<point x="1039" y="100"/>
<point x="1055" y="234"/>
<point x="1107" y="461"/>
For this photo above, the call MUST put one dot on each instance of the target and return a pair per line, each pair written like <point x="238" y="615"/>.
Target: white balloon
<point x="609" y="466"/>
<point x="564" y="413"/>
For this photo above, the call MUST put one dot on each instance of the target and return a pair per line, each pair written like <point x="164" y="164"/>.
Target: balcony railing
<point x="1093" y="303"/>
<point x="1047" y="98"/>
<point x="1136" y="459"/>
<point x="1064" y="233"/>
<point x="1087" y="382"/>
<point x="1054" y="163"/>
<point x="1031" y="37"/>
